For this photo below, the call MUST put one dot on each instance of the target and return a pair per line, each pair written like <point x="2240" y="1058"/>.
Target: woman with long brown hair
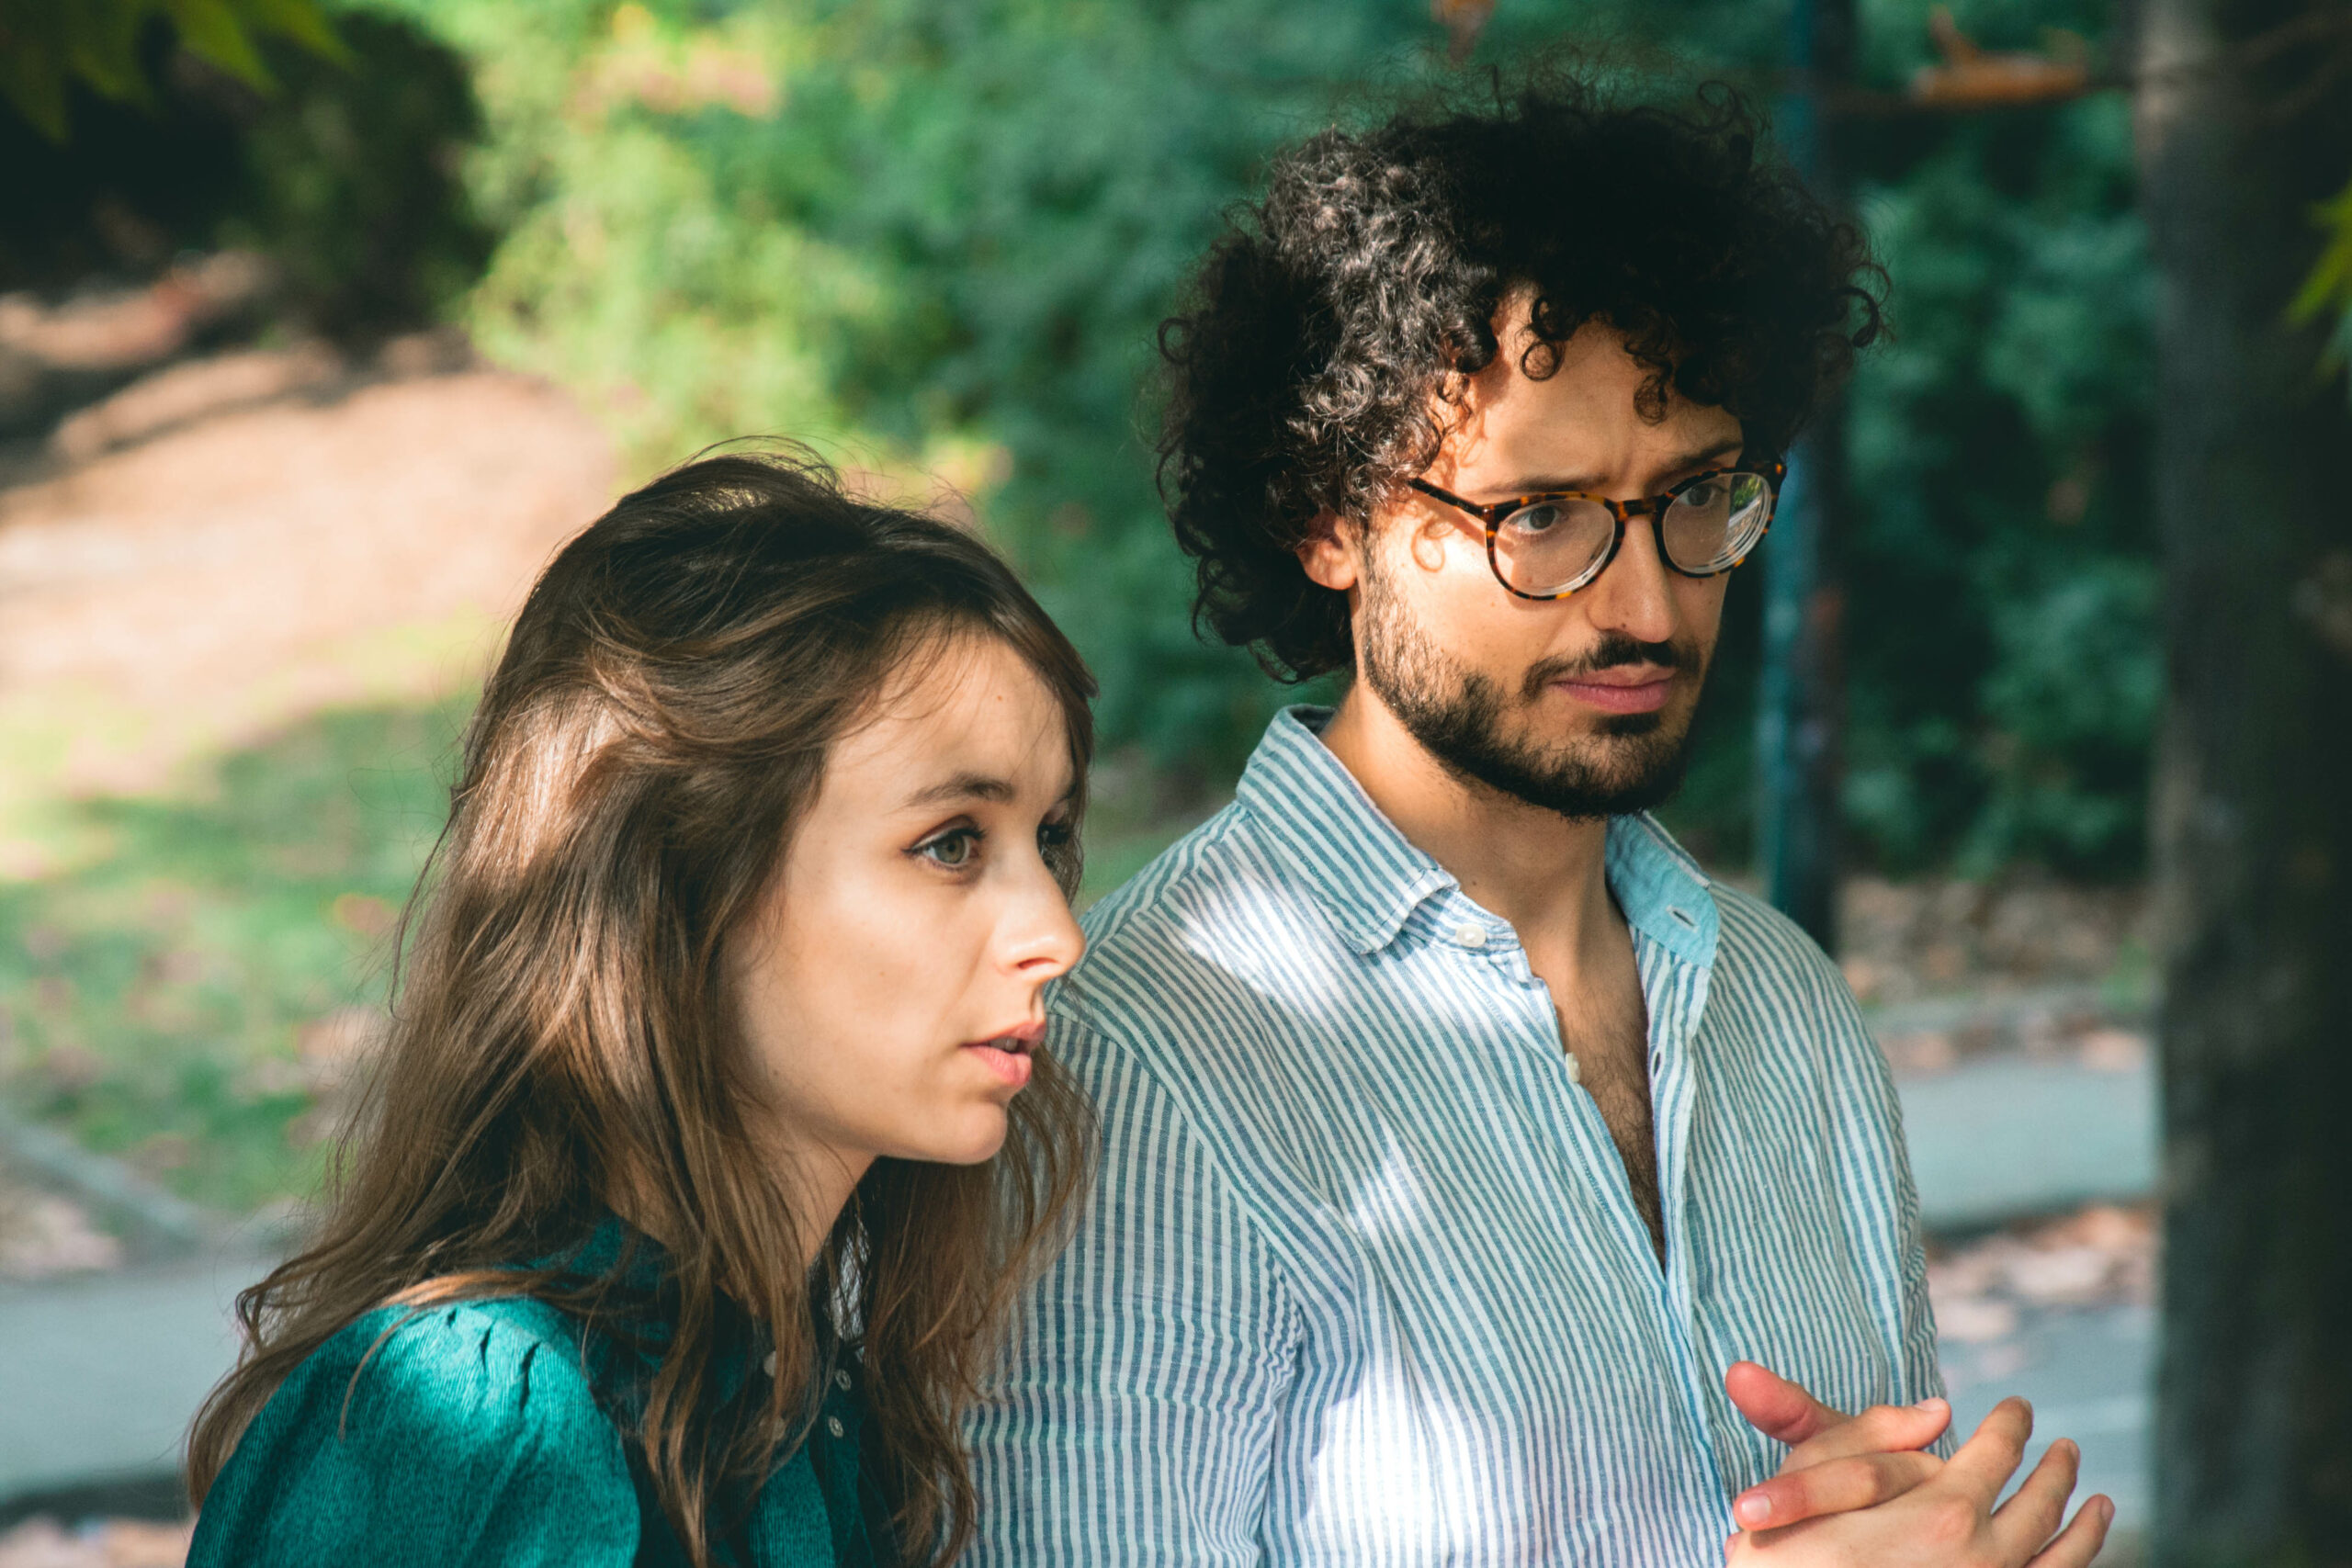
<point x="713" y="1135"/>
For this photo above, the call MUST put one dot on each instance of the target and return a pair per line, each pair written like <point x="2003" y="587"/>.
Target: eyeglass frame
<point x="1492" y="516"/>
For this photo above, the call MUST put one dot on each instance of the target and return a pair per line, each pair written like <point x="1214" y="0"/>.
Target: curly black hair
<point x="1332" y="324"/>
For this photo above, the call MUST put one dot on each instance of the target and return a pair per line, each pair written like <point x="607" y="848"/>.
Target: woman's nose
<point x="1044" y="940"/>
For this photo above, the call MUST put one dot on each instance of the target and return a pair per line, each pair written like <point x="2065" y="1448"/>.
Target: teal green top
<point x="485" y="1433"/>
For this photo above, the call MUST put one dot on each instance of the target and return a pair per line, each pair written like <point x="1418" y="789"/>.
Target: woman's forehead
<point x="969" y="716"/>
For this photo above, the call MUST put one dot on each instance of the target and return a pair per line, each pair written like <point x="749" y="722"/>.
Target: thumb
<point x="1779" y="1409"/>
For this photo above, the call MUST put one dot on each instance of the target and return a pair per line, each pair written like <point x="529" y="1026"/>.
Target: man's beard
<point x="1629" y="762"/>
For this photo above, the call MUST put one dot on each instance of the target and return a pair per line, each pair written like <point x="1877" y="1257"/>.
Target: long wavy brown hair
<point x="559" y="1046"/>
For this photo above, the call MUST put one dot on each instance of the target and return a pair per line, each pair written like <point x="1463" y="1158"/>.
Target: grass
<point x="168" y="995"/>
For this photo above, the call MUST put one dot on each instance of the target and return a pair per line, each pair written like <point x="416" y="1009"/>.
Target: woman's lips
<point x="1010" y="1066"/>
<point x="1007" y="1055"/>
<point x="1618" y="696"/>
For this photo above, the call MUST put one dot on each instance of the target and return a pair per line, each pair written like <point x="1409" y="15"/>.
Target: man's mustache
<point x="1609" y="653"/>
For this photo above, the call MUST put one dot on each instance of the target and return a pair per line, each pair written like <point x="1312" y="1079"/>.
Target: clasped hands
<point x="1861" y="1491"/>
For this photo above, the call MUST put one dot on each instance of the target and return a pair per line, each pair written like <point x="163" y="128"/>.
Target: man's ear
<point x="1331" y="553"/>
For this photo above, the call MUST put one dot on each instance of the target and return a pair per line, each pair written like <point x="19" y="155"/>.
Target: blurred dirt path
<point x="194" y="591"/>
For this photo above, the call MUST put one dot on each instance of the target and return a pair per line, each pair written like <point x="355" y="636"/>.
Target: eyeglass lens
<point x="1554" y="547"/>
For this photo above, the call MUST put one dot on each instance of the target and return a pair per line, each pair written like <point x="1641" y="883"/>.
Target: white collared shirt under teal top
<point x="1362" y="1283"/>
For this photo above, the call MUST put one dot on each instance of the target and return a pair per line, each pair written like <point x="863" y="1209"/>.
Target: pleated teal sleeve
<point x="471" y="1436"/>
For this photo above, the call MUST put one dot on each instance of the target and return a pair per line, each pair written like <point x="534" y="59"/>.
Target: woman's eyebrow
<point x="964" y="787"/>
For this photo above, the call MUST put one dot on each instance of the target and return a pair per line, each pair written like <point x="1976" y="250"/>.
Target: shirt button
<point x="841" y="1381"/>
<point x="1576" y="1068"/>
<point x="768" y="1366"/>
<point x="1470" y="936"/>
<point x="833" y="1424"/>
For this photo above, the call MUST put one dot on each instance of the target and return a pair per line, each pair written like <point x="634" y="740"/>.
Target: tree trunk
<point x="2253" y="809"/>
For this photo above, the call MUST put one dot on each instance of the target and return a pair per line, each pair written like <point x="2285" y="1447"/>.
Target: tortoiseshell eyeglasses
<point x="1548" y="546"/>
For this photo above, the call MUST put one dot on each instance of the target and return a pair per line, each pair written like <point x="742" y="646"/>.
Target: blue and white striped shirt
<point x="1362" y="1283"/>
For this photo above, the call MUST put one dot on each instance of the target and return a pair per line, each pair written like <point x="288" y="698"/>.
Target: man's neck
<point x="1542" y="871"/>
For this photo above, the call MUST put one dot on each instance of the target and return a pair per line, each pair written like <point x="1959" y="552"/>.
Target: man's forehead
<point x="1598" y="408"/>
<point x="1593" y="364"/>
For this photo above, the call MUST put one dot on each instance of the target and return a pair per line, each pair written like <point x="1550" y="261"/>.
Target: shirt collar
<point x="1663" y="894"/>
<point x="616" y="1249"/>
<point x="1369" y="877"/>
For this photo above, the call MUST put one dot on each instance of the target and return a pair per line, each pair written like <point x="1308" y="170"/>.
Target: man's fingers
<point x="1839" y="1486"/>
<point x="1984" y="1462"/>
<point x="2024" y="1524"/>
<point x="1779" y="1409"/>
<point x="1881" y="1429"/>
<point x="2082" y="1540"/>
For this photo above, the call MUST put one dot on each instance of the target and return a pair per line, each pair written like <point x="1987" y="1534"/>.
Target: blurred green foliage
<point x="354" y="182"/>
<point x="2326" y="295"/>
<point x="47" y="46"/>
<point x="346" y="170"/>
<point x="2003" y="658"/>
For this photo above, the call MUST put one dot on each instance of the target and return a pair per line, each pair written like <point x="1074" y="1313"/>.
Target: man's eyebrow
<point x="1545" y="484"/>
<point x="965" y="786"/>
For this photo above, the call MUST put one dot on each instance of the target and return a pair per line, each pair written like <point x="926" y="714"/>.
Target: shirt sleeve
<point x="1136" y="1421"/>
<point x="464" y="1438"/>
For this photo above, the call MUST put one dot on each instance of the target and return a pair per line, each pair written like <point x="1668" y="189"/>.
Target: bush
<point x="355" y="180"/>
<point x="2004" y="672"/>
<point x="347" y="173"/>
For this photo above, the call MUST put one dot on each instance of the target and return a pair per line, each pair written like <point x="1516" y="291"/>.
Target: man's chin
<point x="1624" y="763"/>
<point x="1629" y="724"/>
<point x="1626" y="746"/>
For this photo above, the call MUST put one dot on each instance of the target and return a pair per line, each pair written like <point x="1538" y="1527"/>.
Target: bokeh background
<point x="319" y="329"/>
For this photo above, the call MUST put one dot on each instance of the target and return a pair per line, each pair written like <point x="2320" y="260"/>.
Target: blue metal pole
<point x="1799" y="693"/>
<point x="1796" y="837"/>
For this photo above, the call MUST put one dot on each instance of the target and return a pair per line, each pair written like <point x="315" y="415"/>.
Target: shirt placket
<point x="1673" y="999"/>
<point x="1531" y="1007"/>
<point x="1674" y="993"/>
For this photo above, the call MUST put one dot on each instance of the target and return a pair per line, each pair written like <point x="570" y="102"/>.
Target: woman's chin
<point x="972" y="1137"/>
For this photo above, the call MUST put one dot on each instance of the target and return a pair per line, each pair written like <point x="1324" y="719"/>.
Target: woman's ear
<point x="1331" y="553"/>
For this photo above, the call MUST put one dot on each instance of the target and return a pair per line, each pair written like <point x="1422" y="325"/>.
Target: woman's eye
<point x="1054" y="835"/>
<point x="953" y="850"/>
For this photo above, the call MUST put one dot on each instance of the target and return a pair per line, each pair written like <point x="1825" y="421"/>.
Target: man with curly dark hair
<point x="1461" y="1138"/>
